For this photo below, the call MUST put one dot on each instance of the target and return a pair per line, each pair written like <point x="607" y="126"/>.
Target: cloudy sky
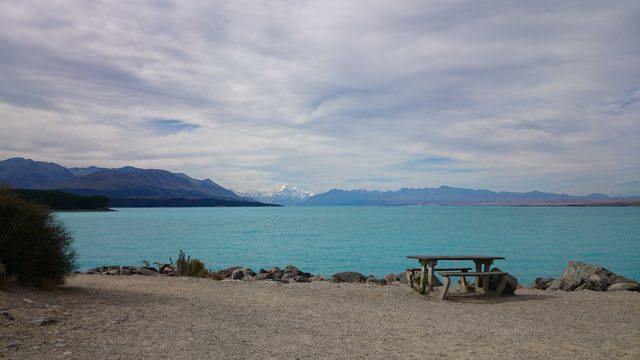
<point x="322" y="94"/>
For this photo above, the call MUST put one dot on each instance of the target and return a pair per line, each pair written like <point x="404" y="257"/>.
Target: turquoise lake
<point x="536" y="241"/>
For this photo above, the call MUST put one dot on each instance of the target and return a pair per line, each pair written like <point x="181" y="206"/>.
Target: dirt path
<point x="135" y="317"/>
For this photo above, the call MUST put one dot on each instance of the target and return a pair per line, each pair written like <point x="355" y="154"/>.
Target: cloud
<point x="539" y="95"/>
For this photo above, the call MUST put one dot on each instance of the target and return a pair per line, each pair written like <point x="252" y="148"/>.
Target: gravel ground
<point x="136" y="317"/>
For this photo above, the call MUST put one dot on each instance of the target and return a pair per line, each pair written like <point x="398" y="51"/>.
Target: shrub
<point x="34" y="246"/>
<point x="190" y="267"/>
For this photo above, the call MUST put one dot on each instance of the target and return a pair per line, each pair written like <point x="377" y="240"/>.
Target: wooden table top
<point x="455" y="257"/>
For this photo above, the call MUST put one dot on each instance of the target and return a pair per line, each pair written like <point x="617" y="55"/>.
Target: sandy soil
<point x="135" y="317"/>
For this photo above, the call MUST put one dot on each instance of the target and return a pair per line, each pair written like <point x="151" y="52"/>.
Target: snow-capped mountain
<point x="284" y="194"/>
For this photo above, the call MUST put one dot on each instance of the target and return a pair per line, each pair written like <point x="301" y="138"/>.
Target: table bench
<point x="428" y="265"/>
<point x="484" y="275"/>
<point x="411" y="273"/>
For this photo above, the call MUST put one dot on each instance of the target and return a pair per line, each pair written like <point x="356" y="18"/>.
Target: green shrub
<point x="34" y="246"/>
<point x="189" y="267"/>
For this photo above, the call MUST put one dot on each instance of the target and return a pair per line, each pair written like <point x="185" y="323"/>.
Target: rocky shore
<point x="577" y="276"/>
<point x="288" y="274"/>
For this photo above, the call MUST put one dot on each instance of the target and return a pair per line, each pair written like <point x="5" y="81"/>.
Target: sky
<point x="501" y="95"/>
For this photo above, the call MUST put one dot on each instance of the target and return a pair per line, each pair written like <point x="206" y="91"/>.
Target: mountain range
<point x="284" y="194"/>
<point x="445" y="195"/>
<point x="130" y="186"/>
<point x="125" y="182"/>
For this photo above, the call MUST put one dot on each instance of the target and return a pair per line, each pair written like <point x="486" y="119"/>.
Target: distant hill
<point x="58" y="200"/>
<point x="445" y="195"/>
<point x="125" y="182"/>
<point x="28" y="174"/>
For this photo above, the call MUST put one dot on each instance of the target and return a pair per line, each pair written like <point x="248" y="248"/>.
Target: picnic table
<point x="428" y="266"/>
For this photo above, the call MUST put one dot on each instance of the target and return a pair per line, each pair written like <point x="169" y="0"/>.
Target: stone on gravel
<point x="389" y="278"/>
<point x="375" y="281"/>
<point x="264" y="276"/>
<point x="42" y="321"/>
<point x="579" y="276"/>
<point x="348" y="277"/>
<point x="7" y="315"/>
<point x="510" y="287"/>
<point x="631" y="286"/>
<point x="224" y="273"/>
<point x="402" y="277"/>
<point x="542" y="283"/>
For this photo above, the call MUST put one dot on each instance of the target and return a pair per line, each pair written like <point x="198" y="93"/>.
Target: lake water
<point x="536" y="241"/>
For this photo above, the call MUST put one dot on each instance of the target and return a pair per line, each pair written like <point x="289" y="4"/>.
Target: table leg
<point x="430" y="268"/>
<point x="423" y="278"/>
<point x="478" y="278"/>
<point x="485" y="282"/>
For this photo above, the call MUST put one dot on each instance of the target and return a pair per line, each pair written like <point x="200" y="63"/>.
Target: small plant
<point x="189" y="267"/>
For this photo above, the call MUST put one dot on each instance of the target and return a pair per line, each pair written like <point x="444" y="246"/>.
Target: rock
<point x="274" y="270"/>
<point x="224" y="273"/>
<point x="264" y="276"/>
<point x="144" y="271"/>
<point x="402" y="277"/>
<point x="510" y="287"/>
<point x="375" y="281"/>
<point x="237" y="274"/>
<point x="43" y="321"/>
<point x="112" y="271"/>
<point x="543" y="283"/>
<point x="389" y="278"/>
<point x="286" y="276"/>
<point x="7" y="315"/>
<point x="318" y="278"/>
<point x="300" y="278"/>
<point x="631" y="286"/>
<point x="166" y="269"/>
<point x="597" y="282"/>
<point x="241" y="273"/>
<point x="587" y="276"/>
<point x="348" y="277"/>
<point x="291" y="269"/>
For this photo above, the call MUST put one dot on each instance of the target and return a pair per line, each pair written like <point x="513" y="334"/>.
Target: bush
<point x="190" y="267"/>
<point x="34" y="246"/>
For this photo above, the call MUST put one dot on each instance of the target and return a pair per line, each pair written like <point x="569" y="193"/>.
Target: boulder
<point x="144" y="271"/>
<point x="300" y="278"/>
<point x="543" y="283"/>
<point x="389" y="278"/>
<point x="113" y="272"/>
<point x="402" y="277"/>
<point x="375" y="281"/>
<point x="243" y="273"/>
<point x="318" y="278"/>
<point x="579" y="275"/>
<point x="166" y="269"/>
<point x="631" y="286"/>
<point x="264" y="276"/>
<point x="510" y="287"/>
<point x="291" y="269"/>
<point x="237" y="274"/>
<point x="224" y="273"/>
<point x="348" y="277"/>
